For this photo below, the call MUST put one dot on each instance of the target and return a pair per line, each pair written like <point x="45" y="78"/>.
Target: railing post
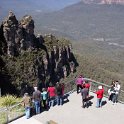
<point x="90" y="86"/>
<point x="0" y="92"/>
<point x="7" y="118"/>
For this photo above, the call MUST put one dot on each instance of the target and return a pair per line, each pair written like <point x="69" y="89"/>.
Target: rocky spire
<point x="27" y="24"/>
<point x="10" y="25"/>
<point x="19" y="36"/>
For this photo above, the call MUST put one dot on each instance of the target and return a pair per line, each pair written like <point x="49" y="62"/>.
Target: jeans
<point x="27" y="112"/>
<point x="51" y="101"/>
<point x="114" y="98"/>
<point x="37" y="106"/>
<point x="59" y="100"/>
<point x="99" y="103"/>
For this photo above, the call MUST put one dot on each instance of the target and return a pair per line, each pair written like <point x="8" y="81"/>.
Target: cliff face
<point x="30" y="58"/>
<point x="19" y="36"/>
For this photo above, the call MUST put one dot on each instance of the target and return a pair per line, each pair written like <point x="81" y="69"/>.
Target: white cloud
<point x="38" y="10"/>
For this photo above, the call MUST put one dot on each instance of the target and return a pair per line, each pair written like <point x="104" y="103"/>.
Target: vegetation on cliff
<point x="28" y="59"/>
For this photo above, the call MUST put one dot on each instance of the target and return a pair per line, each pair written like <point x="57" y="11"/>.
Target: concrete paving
<point x="72" y="113"/>
<point x="23" y="120"/>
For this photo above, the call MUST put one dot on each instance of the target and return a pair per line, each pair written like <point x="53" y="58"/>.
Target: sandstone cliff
<point x="32" y="59"/>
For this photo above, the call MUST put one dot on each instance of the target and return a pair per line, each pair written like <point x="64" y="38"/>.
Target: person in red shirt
<point x="87" y="85"/>
<point x="52" y="94"/>
<point x="99" y="94"/>
<point x="63" y="87"/>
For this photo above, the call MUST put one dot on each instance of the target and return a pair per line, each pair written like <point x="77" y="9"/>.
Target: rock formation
<point x="43" y="58"/>
<point x="19" y="36"/>
<point x="10" y="26"/>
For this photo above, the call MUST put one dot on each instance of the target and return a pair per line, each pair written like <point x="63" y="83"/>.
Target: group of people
<point x="55" y="94"/>
<point x="43" y="100"/>
<point x="114" y="92"/>
<point x="83" y="87"/>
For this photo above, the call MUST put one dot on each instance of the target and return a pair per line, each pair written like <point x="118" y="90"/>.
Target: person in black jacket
<point x="59" y="94"/>
<point x="37" y="100"/>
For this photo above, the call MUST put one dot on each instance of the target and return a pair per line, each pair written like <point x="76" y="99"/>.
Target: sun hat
<point x="100" y="87"/>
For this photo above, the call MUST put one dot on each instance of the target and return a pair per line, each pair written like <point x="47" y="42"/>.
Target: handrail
<point x="9" y="113"/>
<point x="70" y="86"/>
<point x="106" y="87"/>
<point x="94" y="86"/>
<point x="10" y="107"/>
<point x="88" y="79"/>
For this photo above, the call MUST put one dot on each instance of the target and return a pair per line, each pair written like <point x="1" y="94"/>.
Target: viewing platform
<point x="72" y="113"/>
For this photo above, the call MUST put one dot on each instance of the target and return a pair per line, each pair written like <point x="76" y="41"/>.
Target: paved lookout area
<point x="72" y="113"/>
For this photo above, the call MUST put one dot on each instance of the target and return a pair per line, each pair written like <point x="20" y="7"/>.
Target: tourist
<point x="59" y="92"/>
<point x="37" y="100"/>
<point x="84" y="94"/>
<point x="79" y="82"/>
<point x="52" y="94"/>
<point x="87" y="85"/>
<point x="117" y="89"/>
<point x="44" y="96"/>
<point x="111" y="92"/>
<point x="26" y="100"/>
<point x="99" y="93"/>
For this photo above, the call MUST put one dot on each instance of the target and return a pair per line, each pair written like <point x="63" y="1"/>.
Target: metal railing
<point x="94" y="86"/>
<point x="71" y="86"/>
<point x="8" y="114"/>
<point x="13" y="112"/>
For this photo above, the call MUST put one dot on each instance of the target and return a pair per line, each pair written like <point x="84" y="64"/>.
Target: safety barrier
<point x="70" y="86"/>
<point x="13" y="112"/>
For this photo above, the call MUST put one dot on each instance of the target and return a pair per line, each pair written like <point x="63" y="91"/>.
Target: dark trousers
<point x="115" y="98"/>
<point x="111" y="97"/>
<point x="84" y="102"/>
<point x="45" y="104"/>
<point x="78" y="87"/>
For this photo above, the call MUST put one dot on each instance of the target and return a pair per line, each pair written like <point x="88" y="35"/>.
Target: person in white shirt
<point x="117" y="89"/>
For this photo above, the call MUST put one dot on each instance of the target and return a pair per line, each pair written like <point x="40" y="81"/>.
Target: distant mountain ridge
<point x="81" y="21"/>
<point x="104" y="1"/>
<point x="32" y="7"/>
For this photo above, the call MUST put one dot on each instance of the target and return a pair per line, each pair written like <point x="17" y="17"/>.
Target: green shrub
<point x="8" y="100"/>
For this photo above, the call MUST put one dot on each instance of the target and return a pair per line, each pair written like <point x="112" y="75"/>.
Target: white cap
<point x="26" y="94"/>
<point x="35" y="88"/>
<point x="99" y="87"/>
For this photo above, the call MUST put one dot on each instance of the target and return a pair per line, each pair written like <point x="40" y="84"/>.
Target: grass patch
<point x="10" y="112"/>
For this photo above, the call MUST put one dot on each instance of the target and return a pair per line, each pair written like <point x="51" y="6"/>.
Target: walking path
<point x="72" y="113"/>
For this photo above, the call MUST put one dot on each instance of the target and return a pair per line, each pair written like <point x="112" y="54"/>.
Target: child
<point x="44" y="95"/>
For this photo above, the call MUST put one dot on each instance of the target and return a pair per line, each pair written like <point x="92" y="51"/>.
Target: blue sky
<point x="21" y="7"/>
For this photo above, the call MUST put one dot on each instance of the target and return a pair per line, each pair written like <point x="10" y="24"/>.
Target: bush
<point x="8" y="100"/>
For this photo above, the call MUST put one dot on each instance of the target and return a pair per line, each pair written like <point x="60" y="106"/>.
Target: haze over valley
<point x="96" y="31"/>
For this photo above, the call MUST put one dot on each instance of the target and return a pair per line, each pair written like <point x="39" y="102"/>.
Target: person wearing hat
<point x="99" y="94"/>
